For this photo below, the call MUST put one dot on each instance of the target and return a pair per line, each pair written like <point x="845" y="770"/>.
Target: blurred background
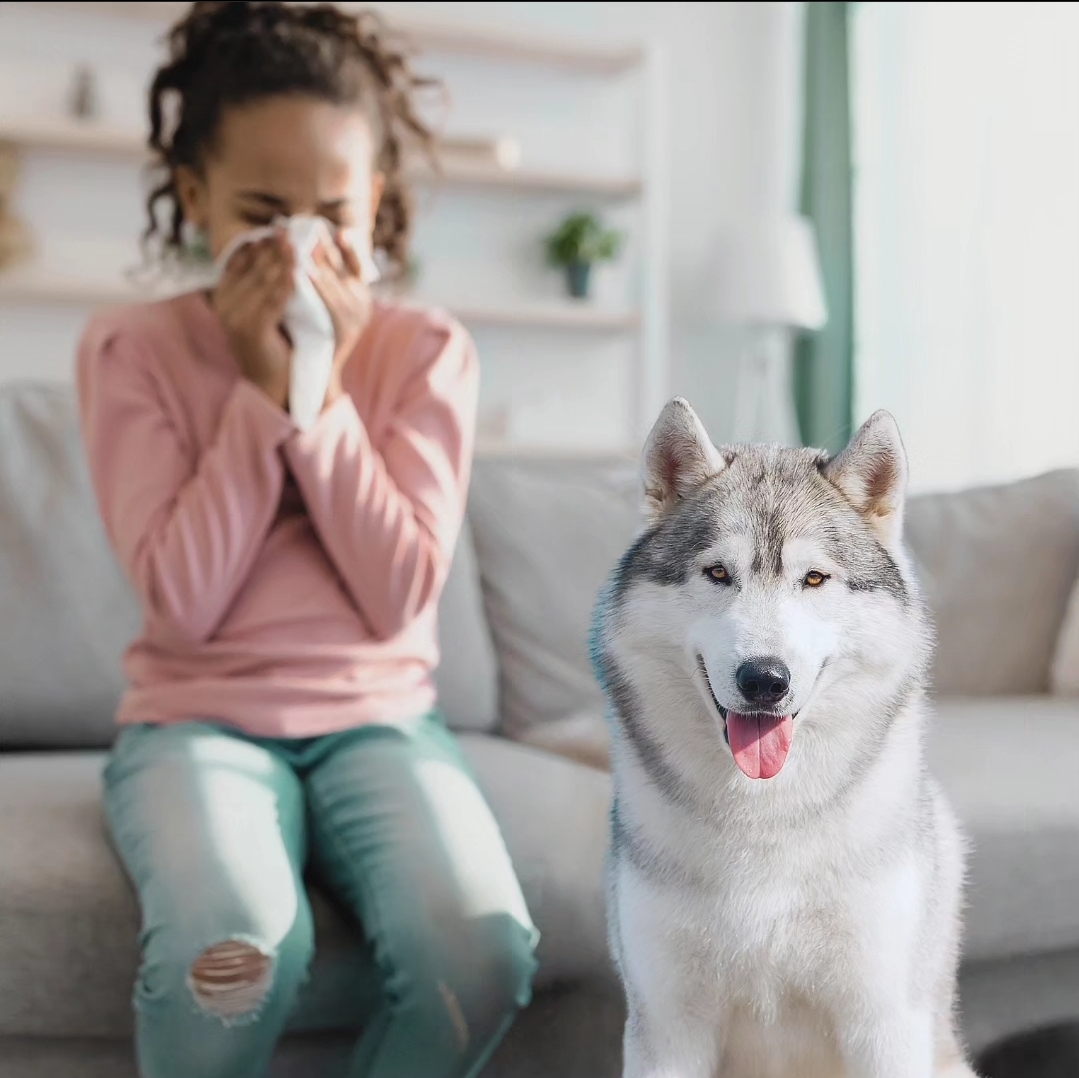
<point x="813" y="211"/>
<point x="663" y="122"/>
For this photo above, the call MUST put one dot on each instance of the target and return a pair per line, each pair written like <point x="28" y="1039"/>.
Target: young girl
<point x="281" y="714"/>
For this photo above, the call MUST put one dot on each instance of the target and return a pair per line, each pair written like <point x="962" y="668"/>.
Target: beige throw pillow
<point x="997" y="564"/>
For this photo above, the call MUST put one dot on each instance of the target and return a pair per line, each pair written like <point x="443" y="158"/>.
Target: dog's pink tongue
<point x="760" y="743"/>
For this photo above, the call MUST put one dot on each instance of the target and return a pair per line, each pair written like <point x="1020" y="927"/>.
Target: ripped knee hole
<point x="230" y="979"/>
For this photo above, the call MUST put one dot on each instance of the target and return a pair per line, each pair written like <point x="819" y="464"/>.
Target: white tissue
<point x="306" y="316"/>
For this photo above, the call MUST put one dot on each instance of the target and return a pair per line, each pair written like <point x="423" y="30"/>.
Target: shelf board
<point x="550" y="316"/>
<point x="34" y="286"/>
<point x="551" y="52"/>
<point x="465" y="173"/>
<point x="59" y="133"/>
<point x="442" y="37"/>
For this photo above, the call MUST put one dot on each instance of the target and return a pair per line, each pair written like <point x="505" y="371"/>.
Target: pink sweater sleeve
<point x="186" y="527"/>
<point x="389" y="518"/>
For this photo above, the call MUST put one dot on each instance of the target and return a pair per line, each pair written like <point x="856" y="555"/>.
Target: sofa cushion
<point x="68" y="919"/>
<point x="584" y="736"/>
<point x="467" y="674"/>
<point x="69" y="612"/>
<point x="1010" y="767"/>
<point x="548" y="533"/>
<point x="997" y="564"/>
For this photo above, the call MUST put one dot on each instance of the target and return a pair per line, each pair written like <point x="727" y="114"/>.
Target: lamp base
<point x="764" y="401"/>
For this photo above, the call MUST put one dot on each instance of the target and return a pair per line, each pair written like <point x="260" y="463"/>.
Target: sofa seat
<point x="68" y="919"/>
<point x="67" y="933"/>
<point x="1010" y="766"/>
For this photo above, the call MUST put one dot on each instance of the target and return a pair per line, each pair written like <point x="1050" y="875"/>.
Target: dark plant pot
<point x="577" y="275"/>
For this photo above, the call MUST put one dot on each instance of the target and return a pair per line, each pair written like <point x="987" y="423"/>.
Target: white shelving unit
<point x="33" y="285"/>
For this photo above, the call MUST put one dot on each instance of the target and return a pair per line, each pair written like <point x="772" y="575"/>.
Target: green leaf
<point x="581" y="237"/>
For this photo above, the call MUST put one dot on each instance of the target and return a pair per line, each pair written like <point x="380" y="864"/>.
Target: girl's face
<point x="283" y="156"/>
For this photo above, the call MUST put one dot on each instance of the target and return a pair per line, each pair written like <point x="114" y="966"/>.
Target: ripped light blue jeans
<point x="216" y="830"/>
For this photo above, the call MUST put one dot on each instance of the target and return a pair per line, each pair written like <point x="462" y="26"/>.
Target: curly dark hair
<point x="230" y="53"/>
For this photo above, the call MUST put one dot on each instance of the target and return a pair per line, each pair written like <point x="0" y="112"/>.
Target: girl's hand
<point x="250" y="300"/>
<point x="338" y="280"/>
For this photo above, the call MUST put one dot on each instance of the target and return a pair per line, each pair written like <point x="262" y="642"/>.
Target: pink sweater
<point x="288" y="580"/>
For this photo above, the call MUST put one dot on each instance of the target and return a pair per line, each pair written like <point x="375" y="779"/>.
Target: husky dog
<point x="785" y="877"/>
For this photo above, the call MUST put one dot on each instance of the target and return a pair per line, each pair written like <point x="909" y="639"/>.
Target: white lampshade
<point x="766" y="271"/>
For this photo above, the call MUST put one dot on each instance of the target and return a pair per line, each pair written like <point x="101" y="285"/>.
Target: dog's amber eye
<point x="814" y="578"/>
<point x="718" y="573"/>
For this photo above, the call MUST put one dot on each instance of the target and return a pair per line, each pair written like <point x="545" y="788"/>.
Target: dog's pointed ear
<point x="872" y="474"/>
<point x="678" y="457"/>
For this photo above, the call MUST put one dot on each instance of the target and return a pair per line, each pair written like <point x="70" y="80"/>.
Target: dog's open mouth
<point x="759" y="741"/>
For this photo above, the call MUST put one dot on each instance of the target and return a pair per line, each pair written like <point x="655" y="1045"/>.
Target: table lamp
<point x="767" y="279"/>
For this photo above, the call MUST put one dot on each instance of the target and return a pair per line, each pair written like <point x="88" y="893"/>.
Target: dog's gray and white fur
<point x="805" y="924"/>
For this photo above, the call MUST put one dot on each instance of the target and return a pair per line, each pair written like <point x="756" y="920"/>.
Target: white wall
<point x="729" y="129"/>
<point x="966" y="224"/>
<point x="732" y="120"/>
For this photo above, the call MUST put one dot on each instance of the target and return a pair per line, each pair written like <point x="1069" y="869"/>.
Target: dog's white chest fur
<point x="765" y="956"/>
<point x="774" y="937"/>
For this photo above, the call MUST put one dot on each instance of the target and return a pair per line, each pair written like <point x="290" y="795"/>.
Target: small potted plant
<point x="578" y="242"/>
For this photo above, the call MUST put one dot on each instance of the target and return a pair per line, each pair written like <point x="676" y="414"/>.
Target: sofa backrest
<point x="67" y="612"/>
<point x="997" y="564"/>
<point x="548" y="532"/>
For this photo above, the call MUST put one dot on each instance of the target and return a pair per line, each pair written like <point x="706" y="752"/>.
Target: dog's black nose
<point x="763" y="681"/>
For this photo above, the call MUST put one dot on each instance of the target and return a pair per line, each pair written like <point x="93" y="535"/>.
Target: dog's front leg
<point x="669" y="1047"/>
<point x="674" y="1010"/>
<point x="893" y="1041"/>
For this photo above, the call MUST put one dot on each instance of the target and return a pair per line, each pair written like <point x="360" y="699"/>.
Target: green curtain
<point x="824" y="361"/>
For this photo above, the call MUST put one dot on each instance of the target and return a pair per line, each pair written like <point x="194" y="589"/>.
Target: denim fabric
<point x="216" y="830"/>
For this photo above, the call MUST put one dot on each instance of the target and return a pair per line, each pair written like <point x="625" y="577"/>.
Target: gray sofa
<point x="998" y="565"/>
